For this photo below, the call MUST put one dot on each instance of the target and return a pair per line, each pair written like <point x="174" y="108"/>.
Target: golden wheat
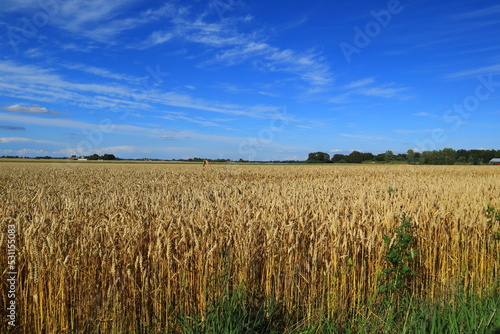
<point x="109" y="247"/>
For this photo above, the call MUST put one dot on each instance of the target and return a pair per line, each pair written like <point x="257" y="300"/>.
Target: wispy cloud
<point x="25" y="140"/>
<point x="80" y="150"/>
<point x="365" y="137"/>
<point x="99" y="20"/>
<point x="156" y="38"/>
<point x="369" y="88"/>
<point x="309" y="67"/>
<point x="13" y="128"/>
<point x="425" y="114"/>
<point x="360" y="83"/>
<point x="184" y="117"/>
<point x="234" y="46"/>
<point x="46" y="122"/>
<point x="480" y="13"/>
<point x="30" y="109"/>
<point x="118" y="149"/>
<point x="422" y="114"/>
<point x="413" y="131"/>
<point x="472" y="73"/>
<point x="384" y="91"/>
<point x="33" y="83"/>
<point x="102" y="72"/>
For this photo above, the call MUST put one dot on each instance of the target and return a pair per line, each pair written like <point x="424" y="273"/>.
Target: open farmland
<point x="127" y="248"/>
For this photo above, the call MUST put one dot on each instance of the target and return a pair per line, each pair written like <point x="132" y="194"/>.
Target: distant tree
<point x="318" y="157"/>
<point x="338" y="157"/>
<point x="400" y="157"/>
<point x="389" y="156"/>
<point x="355" y="157"/>
<point x="448" y="156"/>
<point x="462" y="155"/>
<point x="368" y="156"/>
<point x="108" y="157"/>
<point x="410" y="156"/>
<point x="379" y="157"/>
<point x="93" y="157"/>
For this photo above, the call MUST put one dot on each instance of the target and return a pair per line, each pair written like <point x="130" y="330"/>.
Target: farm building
<point x="495" y="161"/>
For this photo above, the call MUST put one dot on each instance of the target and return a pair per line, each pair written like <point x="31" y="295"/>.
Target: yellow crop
<point x="109" y="246"/>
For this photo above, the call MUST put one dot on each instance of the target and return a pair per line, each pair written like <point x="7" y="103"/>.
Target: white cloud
<point x="156" y="38"/>
<point x="367" y="87"/>
<point x="58" y="123"/>
<point x="360" y="83"/>
<point x="25" y="140"/>
<point x="472" y="73"/>
<point x="383" y="91"/>
<point x="84" y="150"/>
<point x="30" y="109"/>
<point x="422" y="113"/>
<point x="12" y="128"/>
<point x="34" y="83"/>
<point x="365" y="137"/>
<point x="98" y="20"/>
<point x="28" y="152"/>
<point x="309" y="67"/>
<point x="123" y="148"/>
<point x="480" y="13"/>
<point x="414" y="131"/>
<point x="102" y="72"/>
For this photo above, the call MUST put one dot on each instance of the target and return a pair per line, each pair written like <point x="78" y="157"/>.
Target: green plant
<point x="236" y="312"/>
<point x="493" y="216"/>
<point x="399" y="256"/>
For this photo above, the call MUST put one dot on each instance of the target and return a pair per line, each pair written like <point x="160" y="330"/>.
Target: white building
<point x="495" y="161"/>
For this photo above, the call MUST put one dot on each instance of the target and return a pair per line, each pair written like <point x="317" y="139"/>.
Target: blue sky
<point x="258" y="80"/>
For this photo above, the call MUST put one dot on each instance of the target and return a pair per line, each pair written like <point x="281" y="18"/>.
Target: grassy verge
<point x="242" y="312"/>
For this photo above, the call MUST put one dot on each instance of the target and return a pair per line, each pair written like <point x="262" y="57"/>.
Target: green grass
<point x="241" y="312"/>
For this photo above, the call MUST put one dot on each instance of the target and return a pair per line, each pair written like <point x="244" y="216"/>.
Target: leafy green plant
<point x="390" y="191"/>
<point x="399" y="256"/>
<point x="236" y="312"/>
<point x="493" y="216"/>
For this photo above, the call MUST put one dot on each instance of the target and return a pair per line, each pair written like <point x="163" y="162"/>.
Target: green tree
<point x="410" y="156"/>
<point x="368" y="156"/>
<point x="389" y="156"/>
<point x="379" y="157"/>
<point x="338" y="157"/>
<point x="355" y="157"/>
<point x="318" y="157"/>
<point x="449" y="156"/>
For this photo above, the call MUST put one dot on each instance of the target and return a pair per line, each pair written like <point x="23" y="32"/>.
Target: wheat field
<point x="118" y="248"/>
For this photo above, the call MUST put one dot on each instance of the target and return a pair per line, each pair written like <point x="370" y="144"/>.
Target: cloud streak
<point x="473" y="73"/>
<point x="31" y="109"/>
<point x="26" y="140"/>
<point x="12" y="128"/>
<point x="365" y="137"/>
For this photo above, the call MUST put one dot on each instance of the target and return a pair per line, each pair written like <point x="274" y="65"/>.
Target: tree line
<point x="447" y="156"/>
